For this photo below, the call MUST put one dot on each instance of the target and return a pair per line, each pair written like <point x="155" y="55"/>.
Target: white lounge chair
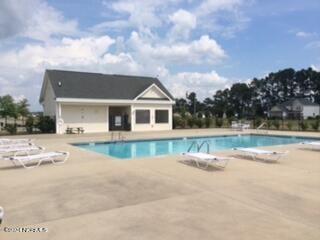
<point x="236" y="126"/>
<point x="7" y="141"/>
<point x="54" y="157"/>
<point x="208" y="159"/>
<point x="313" y="145"/>
<point x="16" y="145"/>
<point x="21" y="150"/>
<point x="255" y="152"/>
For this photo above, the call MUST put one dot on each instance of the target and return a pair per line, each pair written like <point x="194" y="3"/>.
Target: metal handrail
<point x="193" y="143"/>
<point x="199" y="146"/>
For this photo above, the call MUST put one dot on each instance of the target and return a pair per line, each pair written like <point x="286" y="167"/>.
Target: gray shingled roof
<point x="70" y="84"/>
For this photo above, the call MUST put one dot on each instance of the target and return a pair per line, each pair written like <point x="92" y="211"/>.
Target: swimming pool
<point x="150" y="148"/>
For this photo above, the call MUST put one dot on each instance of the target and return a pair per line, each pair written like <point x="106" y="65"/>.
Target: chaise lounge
<point x="269" y="156"/>
<point x="207" y="159"/>
<point x="55" y="157"/>
<point x="21" y="150"/>
<point x="313" y="145"/>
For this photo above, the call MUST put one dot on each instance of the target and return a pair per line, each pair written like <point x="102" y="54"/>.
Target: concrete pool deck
<point x="92" y="196"/>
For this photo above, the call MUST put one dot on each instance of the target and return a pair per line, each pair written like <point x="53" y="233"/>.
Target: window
<point x="162" y="116"/>
<point x="142" y="116"/>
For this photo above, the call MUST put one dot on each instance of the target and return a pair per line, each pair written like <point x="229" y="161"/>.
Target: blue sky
<point x="201" y="46"/>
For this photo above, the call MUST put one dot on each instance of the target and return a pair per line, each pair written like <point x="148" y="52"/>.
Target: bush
<point x="190" y="121"/>
<point x="276" y="124"/>
<point x="11" y="128"/>
<point x="315" y="125"/>
<point x="29" y="124"/>
<point x="303" y="125"/>
<point x="46" y="124"/>
<point x="269" y="124"/>
<point x="199" y="122"/>
<point x="207" y="122"/>
<point x="257" y="122"/>
<point x="176" y="122"/>
<point x="289" y="125"/>
<point x="219" y="122"/>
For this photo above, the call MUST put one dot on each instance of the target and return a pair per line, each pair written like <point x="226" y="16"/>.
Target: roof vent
<point x="59" y="84"/>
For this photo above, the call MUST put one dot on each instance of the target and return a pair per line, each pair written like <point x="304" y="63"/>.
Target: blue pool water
<point x="150" y="148"/>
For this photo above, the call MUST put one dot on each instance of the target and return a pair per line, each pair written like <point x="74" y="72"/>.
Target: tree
<point x="192" y="102"/>
<point x="7" y="107"/>
<point x="23" y="108"/>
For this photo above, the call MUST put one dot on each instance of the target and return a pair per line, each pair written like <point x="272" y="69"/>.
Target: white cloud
<point x="212" y="6"/>
<point x="204" y="84"/>
<point x="138" y="13"/>
<point x="144" y="52"/>
<point x="183" y="22"/>
<point x="315" y="67"/>
<point x="204" y="50"/>
<point x="33" y="19"/>
<point x="313" y="45"/>
<point x="224" y="17"/>
<point x="22" y="70"/>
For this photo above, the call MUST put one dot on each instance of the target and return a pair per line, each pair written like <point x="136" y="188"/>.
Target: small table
<point x="73" y="130"/>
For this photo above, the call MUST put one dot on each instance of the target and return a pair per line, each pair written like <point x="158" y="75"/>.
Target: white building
<point x="299" y="107"/>
<point x="101" y="102"/>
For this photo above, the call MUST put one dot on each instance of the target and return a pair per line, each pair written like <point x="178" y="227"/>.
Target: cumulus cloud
<point x="33" y="19"/>
<point x="22" y="70"/>
<point x="161" y="39"/>
<point x="204" y="50"/>
<point x="204" y="84"/>
<point x="183" y="22"/>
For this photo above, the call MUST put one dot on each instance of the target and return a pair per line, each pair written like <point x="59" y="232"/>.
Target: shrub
<point x="207" y="122"/>
<point x="199" y="122"/>
<point x="11" y="128"/>
<point x="269" y="124"/>
<point x="46" y="124"/>
<point x="29" y="124"/>
<point x="289" y="125"/>
<point x="257" y="122"/>
<point x="219" y="122"/>
<point x="190" y="121"/>
<point x="276" y="124"/>
<point x="176" y="122"/>
<point x="315" y="125"/>
<point x="303" y="125"/>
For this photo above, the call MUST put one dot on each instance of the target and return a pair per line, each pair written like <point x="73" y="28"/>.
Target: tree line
<point x="12" y="109"/>
<point x="255" y="99"/>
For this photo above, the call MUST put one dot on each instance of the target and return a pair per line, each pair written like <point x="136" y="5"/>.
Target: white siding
<point x="152" y="126"/>
<point x="311" y="111"/>
<point x="92" y="118"/>
<point x="153" y="92"/>
<point x="49" y="102"/>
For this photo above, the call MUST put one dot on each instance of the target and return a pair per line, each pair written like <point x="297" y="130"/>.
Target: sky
<point x="190" y="45"/>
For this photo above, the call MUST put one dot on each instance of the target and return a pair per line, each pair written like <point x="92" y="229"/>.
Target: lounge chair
<point x="313" y="145"/>
<point x="7" y="141"/>
<point x="254" y="153"/>
<point x="16" y="145"/>
<point x="21" y="150"/>
<point x="39" y="158"/>
<point x="208" y="159"/>
<point x="236" y="126"/>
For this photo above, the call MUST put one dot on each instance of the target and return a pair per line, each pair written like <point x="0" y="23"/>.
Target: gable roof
<point x="85" y="85"/>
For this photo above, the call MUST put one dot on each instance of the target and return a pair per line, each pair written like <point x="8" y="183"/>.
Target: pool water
<point x="151" y="148"/>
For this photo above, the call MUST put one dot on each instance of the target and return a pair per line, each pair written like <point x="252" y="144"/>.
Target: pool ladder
<point x="117" y="137"/>
<point x="200" y="145"/>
